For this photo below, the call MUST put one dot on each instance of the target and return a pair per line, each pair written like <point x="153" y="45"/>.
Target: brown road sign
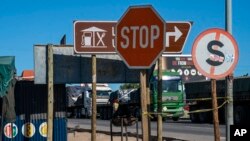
<point x="87" y="40"/>
<point x="94" y="37"/>
<point x="140" y="42"/>
<point x="176" y="35"/>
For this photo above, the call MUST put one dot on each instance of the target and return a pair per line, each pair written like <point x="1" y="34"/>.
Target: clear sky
<point x="28" y="22"/>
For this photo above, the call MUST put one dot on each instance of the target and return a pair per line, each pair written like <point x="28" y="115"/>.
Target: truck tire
<point x="87" y="116"/>
<point x="203" y="117"/>
<point x="101" y="113"/>
<point x="105" y="110"/>
<point x="194" y="117"/>
<point x="137" y="113"/>
<point x="239" y="115"/>
<point x="164" y="119"/>
<point x="175" y="118"/>
<point x="222" y="113"/>
<point x="110" y="112"/>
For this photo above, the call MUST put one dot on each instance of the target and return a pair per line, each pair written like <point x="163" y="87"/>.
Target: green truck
<point x="172" y="94"/>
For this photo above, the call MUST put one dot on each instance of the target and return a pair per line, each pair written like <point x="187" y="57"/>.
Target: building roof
<point x="28" y="75"/>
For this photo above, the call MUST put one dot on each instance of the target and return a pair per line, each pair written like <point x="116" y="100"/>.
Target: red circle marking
<point x="217" y="37"/>
<point x="217" y="31"/>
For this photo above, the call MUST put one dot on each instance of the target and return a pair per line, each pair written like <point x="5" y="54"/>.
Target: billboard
<point x="184" y="65"/>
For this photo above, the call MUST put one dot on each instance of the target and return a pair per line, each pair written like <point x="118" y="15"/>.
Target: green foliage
<point x="129" y="86"/>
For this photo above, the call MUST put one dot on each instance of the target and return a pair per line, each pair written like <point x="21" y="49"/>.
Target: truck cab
<point x="80" y="98"/>
<point x="172" y="94"/>
<point x="102" y="93"/>
<point x="102" y="98"/>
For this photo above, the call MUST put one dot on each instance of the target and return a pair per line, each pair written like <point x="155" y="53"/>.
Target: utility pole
<point x="229" y="79"/>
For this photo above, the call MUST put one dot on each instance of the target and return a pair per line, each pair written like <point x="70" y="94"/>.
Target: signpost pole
<point x="148" y="102"/>
<point x="144" y="105"/>
<point x="229" y="79"/>
<point x="217" y="66"/>
<point x="215" y="111"/>
<point x="130" y="45"/>
<point x="93" y="118"/>
<point x="159" y="100"/>
<point x="50" y="93"/>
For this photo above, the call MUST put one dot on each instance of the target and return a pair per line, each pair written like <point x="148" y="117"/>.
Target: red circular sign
<point x="140" y="37"/>
<point x="215" y="53"/>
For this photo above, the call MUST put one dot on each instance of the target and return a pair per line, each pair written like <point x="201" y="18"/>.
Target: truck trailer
<point x="80" y="99"/>
<point x="199" y="92"/>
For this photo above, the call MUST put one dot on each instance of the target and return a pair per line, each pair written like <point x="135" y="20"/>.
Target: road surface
<point x="183" y="129"/>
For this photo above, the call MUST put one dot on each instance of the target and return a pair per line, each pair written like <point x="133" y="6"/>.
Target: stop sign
<point x="140" y="37"/>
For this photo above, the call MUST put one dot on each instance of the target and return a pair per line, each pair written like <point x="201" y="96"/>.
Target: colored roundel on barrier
<point x="10" y="132"/>
<point x="28" y="130"/>
<point x="43" y="129"/>
<point x="215" y="53"/>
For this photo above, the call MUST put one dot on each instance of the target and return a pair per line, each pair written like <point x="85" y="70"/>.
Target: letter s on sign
<point x="125" y="37"/>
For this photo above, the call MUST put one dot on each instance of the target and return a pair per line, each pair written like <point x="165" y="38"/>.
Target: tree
<point x="129" y="86"/>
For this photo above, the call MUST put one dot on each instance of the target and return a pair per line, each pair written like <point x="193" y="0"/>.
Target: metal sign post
<point x="229" y="79"/>
<point x="215" y="54"/>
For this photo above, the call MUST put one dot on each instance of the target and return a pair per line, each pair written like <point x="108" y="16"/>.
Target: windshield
<point x="171" y="85"/>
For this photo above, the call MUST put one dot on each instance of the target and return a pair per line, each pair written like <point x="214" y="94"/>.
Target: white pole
<point x="229" y="79"/>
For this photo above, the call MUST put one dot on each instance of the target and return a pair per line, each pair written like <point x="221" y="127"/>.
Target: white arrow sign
<point x="177" y="33"/>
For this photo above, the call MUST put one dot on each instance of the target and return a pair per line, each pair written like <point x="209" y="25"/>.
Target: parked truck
<point x="80" y="99"/>
<point x="172" y="97"/>
<point x="195" y="91"/>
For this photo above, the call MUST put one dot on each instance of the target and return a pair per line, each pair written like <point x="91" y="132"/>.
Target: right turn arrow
<point x="177" y="33"/>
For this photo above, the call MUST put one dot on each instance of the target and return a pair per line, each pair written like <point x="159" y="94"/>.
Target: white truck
<point x="80" y="99"/>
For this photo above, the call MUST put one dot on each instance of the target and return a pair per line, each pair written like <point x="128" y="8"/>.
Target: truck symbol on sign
<point x="93" y="37"/>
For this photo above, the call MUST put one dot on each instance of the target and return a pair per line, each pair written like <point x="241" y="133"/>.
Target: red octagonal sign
<point x="140" y="37"/>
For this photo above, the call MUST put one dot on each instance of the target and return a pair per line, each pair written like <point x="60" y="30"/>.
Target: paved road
<point x="183" y="129"/>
